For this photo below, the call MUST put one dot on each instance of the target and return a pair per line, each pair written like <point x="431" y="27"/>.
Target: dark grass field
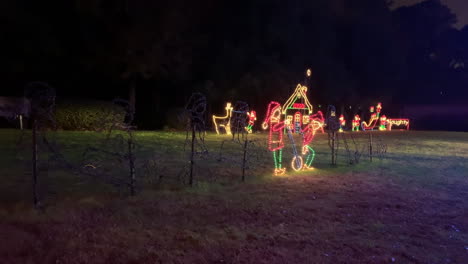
<point x="409" y="207"/>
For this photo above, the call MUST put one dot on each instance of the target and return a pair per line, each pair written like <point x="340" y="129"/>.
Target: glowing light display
<point x="373" y="118"/>
<point x="398" y="122"/>
<point x="342" y="123"/>
<point x="318" y="121"/>
<point x="356" y="123"/>
<point x="308" y="134"/>
<point x="224" y="121"/>
<point x="252" y="115"/>
<point x="275" y="136"/>
<point x="383" y="123"/>
<point x="296" y="108"/>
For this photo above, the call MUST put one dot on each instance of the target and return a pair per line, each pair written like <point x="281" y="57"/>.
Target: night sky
<point x="160" y="52"/>
<point x="459" y="7"/>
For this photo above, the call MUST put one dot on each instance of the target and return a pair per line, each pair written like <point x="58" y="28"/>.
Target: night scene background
<point x="410" y="55"/>
<point x="130" y="153"/>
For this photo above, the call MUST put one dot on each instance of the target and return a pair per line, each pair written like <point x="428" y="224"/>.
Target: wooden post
<point x="191" y="156"/>
<point x="34" y="163"/>
<point x="131" y="159"/>
<point x="21" y="121"/>
<point x="333" y="145"/>
<point x="244" y="160"/>
<point x="370" y="146"/>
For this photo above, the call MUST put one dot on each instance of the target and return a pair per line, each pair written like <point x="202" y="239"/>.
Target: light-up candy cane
<point x="252" y="115"/>
<point x="275" y="137"/>
<point x="356" y="123"/>
<point x="383" y="123"/>
<point x="342" y="123"/>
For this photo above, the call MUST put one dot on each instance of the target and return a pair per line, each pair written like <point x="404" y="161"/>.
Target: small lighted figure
<point x="224" y="121"/>
<point x="275" y="136"/>
<point x="308" y="72"/>
<point x="356" y="123"/>
<point x="342" y="123"/>
<point x="379" y="107"/>
<point x="252" y="115"/>
<point x="383" y="123"/>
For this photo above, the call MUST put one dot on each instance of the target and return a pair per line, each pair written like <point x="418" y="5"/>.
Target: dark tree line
<point x="157" y="52"/>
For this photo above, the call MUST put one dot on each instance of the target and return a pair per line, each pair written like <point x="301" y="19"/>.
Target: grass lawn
<point x="409" y="207"/>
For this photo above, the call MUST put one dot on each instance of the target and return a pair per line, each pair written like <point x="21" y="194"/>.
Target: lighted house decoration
<point x="297" y="109"/>
<point x="224" y="121"/>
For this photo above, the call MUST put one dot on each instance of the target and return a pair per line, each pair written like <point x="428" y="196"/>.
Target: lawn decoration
<point x="275" y="137"/>
<point x="398" y="122"/>
<point x="373" y="118"/>
<point x="297" y="109"/>
<point x="356" y="123"/>
<point x="383" y="123"/>
<point x="318" y="121"/>
<point x="252" y="116"/>
<point x="296" y="162"/>
<point x="308" y="134"/>
<point x="239" y="119"/>
<point x="342" y="123"/>
<point x="224" y="121"/>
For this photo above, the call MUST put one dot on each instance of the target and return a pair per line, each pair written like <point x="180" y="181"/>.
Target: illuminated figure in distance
<point x="275" y="136"/>
<point x="356" y="123"/>
<point x="342" y="123"/>
<point x="224" y="121"/>
<point x="383" y="123"/>
<point x="252" y="115"/>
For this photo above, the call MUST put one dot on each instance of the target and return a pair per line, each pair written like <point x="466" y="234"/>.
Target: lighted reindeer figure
<point x="224" y="121"/>
<point x="275" y="137"/>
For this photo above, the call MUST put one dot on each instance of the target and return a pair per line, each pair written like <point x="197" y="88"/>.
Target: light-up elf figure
<point x="342" y="123"/>
<point x="308" y="134"/>
<point x="356" y="123"/>
<point x="275" y="137"/>
<point x="383" y="123"/>
<point x="252" y="115"/>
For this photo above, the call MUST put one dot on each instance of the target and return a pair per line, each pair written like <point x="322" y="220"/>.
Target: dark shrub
<point x="88" y="115"/>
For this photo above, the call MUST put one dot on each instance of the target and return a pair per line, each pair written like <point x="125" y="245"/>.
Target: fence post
<point x="191" y="156"/>
<point x="131" y="159"/>
<point x="333" y="145"/>
<point x="244" y="160"/>
<point x="34" y="163"/>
